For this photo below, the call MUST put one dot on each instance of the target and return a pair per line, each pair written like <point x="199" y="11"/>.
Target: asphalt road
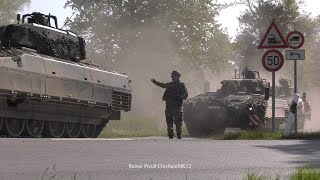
<point x="151" y="158"/>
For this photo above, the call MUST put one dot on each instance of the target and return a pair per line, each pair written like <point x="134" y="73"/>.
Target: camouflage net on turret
<point x="61" y="48"/>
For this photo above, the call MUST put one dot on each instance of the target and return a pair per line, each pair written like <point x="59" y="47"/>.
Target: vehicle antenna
<point x="73" y="13"/>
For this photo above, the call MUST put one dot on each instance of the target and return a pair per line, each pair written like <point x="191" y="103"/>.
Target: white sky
<point x="227" y="18"/>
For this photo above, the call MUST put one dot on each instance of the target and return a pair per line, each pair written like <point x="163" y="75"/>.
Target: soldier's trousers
<point x="174" y="116"/>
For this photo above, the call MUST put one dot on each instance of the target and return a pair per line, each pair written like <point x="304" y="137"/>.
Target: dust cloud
<point x="154" y="56"/>
<point x="314" y="98"/>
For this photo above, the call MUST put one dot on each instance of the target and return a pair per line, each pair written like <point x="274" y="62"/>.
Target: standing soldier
<point x="174" y="95"/>
<point x="307" y="106"/>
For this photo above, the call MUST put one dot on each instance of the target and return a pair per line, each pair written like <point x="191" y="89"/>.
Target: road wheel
<point x="99" y="129"/>
<point x="13" y="126"/>
<point x="72" y="130"/>
<point x="88" y="130"/>
<point x="54" y="129"/>
<point x="34" y="128"/>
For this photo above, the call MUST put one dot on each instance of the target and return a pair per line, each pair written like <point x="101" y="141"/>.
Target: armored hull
<point x="43" y="89"/>
<point x="52" y="93"/>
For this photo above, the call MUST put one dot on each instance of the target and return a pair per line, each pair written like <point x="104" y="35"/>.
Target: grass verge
<point x="304" y="173"/>
<point x="257" y="135"/>
<point x="257" y="176"/>
<point x="135" y="127"/>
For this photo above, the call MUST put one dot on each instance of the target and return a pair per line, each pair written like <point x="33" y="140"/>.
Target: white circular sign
<point x="295" y="39"/>
<point x="272" y="60"/>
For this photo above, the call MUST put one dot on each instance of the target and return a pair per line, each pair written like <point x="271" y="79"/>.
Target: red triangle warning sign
<point x="273" y="38"/>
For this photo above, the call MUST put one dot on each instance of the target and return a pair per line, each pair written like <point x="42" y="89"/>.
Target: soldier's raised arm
<point x="160" y="84"/>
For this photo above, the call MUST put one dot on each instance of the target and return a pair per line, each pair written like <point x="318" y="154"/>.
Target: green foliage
<point x="9" y="8"/>
<point x="306" y="173"/>
<point x="258" y="135"/>
<point x="255" y="21"/>
<point x="251" y="135"/>
<point x="303" y="135"/>
<point x="111" y="27"/>
<point x="135" y="127"/>
<point x="256" y="176"/>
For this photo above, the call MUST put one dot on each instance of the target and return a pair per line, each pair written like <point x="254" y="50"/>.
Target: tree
<point x="150" y="38"/>
<point x="254" y="23"/>
<point x="111" y="26"/>
<point x="9" y="8"/>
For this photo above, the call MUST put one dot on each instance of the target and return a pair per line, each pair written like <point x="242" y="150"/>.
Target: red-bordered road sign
<point x="272" y="60"/>
<point x="295" y="39"/>
<point x="273" y="38"/>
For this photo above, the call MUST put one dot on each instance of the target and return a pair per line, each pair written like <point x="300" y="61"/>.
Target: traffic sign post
<point x="295" y="40"/>
<point x="272" y="61"/>
<point x="273" y="38"/>
<point x="295" y="91"/>
<point x="295" y="54"/>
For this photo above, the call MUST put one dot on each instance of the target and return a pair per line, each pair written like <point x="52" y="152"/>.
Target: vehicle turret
<point x="36" y="32"/>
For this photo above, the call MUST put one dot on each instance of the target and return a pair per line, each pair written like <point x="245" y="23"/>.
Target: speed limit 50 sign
<point x="272" y="60"/>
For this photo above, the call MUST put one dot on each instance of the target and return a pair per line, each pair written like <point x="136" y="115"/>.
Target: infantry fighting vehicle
<point x="46" y="88"/>
<point x="240" y="102"/>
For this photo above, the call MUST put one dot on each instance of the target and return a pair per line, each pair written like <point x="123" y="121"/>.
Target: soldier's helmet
<point x="174" y="72"/>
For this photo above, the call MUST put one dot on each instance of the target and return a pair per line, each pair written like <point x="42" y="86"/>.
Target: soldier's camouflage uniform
<point x="174" y="95"/>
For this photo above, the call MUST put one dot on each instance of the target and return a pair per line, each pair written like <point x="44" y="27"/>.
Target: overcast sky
<point x="227" y="18"/>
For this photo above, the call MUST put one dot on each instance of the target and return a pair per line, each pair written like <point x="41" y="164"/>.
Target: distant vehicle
<point x="240" y="103"/>
<point x="46" y="88"/>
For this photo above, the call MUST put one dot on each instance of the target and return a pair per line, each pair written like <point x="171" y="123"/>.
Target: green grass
<point x="258" y="135"/>
<point x="135" y="127"/>
<point x="251" y="135"/>
<point x="257" y="176"/>
<point x="306" y="173"/>
<point x="303" y="173"/>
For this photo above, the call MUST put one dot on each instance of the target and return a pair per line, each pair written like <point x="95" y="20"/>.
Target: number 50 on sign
<point x="272" y="60"/>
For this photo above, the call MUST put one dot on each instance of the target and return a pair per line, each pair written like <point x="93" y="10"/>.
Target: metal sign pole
<point x="273" y="100"/>
<point x="295" y="91"/>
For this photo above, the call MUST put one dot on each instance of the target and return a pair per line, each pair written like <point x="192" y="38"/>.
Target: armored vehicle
<point x="240" y="102"/>
<point x="46" y="88"/>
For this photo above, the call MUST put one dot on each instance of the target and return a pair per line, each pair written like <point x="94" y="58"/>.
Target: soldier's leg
<point x="169" y="119"/>
<point x="178" y="123"/>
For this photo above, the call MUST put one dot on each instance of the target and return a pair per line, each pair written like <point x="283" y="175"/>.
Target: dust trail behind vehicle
<point x="314" y="124"/>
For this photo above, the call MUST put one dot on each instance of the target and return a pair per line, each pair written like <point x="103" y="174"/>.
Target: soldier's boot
<point x="170" y="131"/>
<point x="178" y="130"/>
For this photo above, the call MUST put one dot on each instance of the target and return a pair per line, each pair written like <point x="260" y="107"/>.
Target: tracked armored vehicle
<point x="46" y="88"/>
<point x="240" y="103"/>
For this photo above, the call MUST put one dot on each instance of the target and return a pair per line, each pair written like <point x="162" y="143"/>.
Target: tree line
<point x="111" y="26"/>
